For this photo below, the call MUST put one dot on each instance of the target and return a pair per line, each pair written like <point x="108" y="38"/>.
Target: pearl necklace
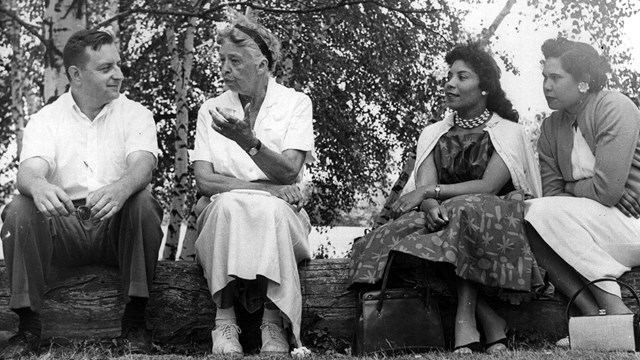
<point x="472" y="123"/>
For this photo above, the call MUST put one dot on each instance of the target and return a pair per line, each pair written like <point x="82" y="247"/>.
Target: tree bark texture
<point x="17" y="78"/>
<point x="86" y="303"/>
<point x="62" y="19"/>
<point x="181" y="64"/>
<point x="488" y="33"/>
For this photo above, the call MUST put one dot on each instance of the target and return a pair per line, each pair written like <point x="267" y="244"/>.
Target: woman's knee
<point x="230" y="204"/>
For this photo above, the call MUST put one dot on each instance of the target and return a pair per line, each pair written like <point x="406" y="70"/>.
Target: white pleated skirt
<point x="596" y="240"/>
<point x="245" y="235"/>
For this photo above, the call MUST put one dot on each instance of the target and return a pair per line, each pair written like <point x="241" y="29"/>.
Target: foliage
<point x="30" y="62"/>
<point x="600" y="23"/>
<point x="7" y="135"/>
<point x="365" y="69"/>
<point x="321" y="342"/>
<point x="371" y="69"/>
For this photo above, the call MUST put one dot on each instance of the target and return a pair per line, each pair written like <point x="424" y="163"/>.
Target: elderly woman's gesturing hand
<point x="238" y="130"/>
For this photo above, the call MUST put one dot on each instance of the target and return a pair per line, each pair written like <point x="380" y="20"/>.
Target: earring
<point x="583" y="87"/>
<point x="483" y="93"/>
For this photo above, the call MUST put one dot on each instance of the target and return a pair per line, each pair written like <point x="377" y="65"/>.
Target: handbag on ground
<point x="604" y="332"/>
<point x="397" y="320"/>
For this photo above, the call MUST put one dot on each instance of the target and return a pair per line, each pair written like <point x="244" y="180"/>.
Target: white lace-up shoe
<point x="564" y="343"/>
<point x="273" y="339"/>
<point x="226" y="341"/>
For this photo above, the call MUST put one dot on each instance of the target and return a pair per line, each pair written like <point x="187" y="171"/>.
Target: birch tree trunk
<point x="17" y="78"/>
<point x="181" y="64"/>
<point x="62" y="19"/>
<point x="488" y="33"/>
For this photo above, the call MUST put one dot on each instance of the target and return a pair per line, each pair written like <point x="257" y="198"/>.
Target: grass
<point x="87" y="349"/>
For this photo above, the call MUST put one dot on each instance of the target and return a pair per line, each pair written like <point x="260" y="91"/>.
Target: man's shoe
<point x="24" y="343"/>
<point x="226" y="341"/>
<point x="137" y="340"/>
<point x="274" y="341"/>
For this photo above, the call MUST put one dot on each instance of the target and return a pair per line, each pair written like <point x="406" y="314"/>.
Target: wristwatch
<point x="437" y="191"/>
<point x="255" y="149"/>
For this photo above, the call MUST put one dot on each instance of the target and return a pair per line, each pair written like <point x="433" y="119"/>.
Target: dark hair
<point x="488" y="71"/>
<point x="74" y="53"/>
<point x="580" y="60"/>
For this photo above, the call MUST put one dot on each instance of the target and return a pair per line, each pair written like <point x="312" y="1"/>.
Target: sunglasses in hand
<point x="83" y="212"/>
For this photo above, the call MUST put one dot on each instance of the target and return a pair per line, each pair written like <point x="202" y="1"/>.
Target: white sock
<point x="225" y="316"/>
<point x="272" y="317"/>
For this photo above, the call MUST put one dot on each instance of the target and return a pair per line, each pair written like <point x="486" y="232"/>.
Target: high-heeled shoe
<point x="468" y="348"/>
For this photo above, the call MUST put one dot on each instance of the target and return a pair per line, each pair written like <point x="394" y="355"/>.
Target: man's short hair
<point x="74" y="53"/>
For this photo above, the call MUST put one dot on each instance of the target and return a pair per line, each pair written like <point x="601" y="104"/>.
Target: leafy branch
<point x="33" y="29"/>
<point x="207" y="13"/>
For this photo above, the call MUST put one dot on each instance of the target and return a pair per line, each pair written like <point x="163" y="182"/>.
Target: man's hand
<point x="238" y="130"/>
<point x="107" y="201"/>
<point x="51" y="200"/>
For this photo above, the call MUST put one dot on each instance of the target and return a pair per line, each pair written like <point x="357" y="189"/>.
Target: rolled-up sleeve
<point x="141" y="132"/>
<point x="299" y="135"/>
<point x="38" y="140"/>
<point x="201" y="148"/>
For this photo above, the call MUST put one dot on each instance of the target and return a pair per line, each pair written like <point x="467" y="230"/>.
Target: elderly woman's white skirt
<point x="245" y="235"/>
<point x="597" y="241"/>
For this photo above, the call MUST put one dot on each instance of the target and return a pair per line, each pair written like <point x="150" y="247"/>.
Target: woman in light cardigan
<point x="586" y="227"/>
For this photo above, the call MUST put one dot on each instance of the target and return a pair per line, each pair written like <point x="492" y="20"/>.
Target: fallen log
<point x="85" y="303"/>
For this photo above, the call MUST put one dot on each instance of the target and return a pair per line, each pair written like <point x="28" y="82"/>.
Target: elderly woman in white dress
<point x="252" y="144"/>
<point x="586" y="227"/>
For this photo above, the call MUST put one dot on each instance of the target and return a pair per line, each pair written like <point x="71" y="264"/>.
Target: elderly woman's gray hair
<point x="245" y="32"/>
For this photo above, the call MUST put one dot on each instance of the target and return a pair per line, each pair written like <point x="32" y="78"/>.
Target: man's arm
<point x="108" y="200"/>
<point x="48" y="198"/>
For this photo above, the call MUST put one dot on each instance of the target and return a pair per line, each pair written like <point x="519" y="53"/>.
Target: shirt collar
<point x="70" y="102"/>
<point x="271" y="97"/>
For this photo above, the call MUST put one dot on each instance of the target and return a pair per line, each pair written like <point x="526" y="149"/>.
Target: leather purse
<point x="397" y="320"/>
<point x="604" y="332"/>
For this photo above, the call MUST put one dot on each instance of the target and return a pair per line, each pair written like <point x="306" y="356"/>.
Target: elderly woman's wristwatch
<point x="253" y="151"/>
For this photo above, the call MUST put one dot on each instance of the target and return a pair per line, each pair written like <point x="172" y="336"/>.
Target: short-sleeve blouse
<point x="285" y="121"/>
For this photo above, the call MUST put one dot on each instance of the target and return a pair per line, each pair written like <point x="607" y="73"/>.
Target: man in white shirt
<point x="86" y="161"/>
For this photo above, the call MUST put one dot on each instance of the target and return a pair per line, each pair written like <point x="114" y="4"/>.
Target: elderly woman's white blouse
<point x="285" y="121"/>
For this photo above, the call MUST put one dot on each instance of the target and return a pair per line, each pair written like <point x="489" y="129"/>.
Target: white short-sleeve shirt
<point x="285" y="121"/>
<point x="85" y="155"/>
